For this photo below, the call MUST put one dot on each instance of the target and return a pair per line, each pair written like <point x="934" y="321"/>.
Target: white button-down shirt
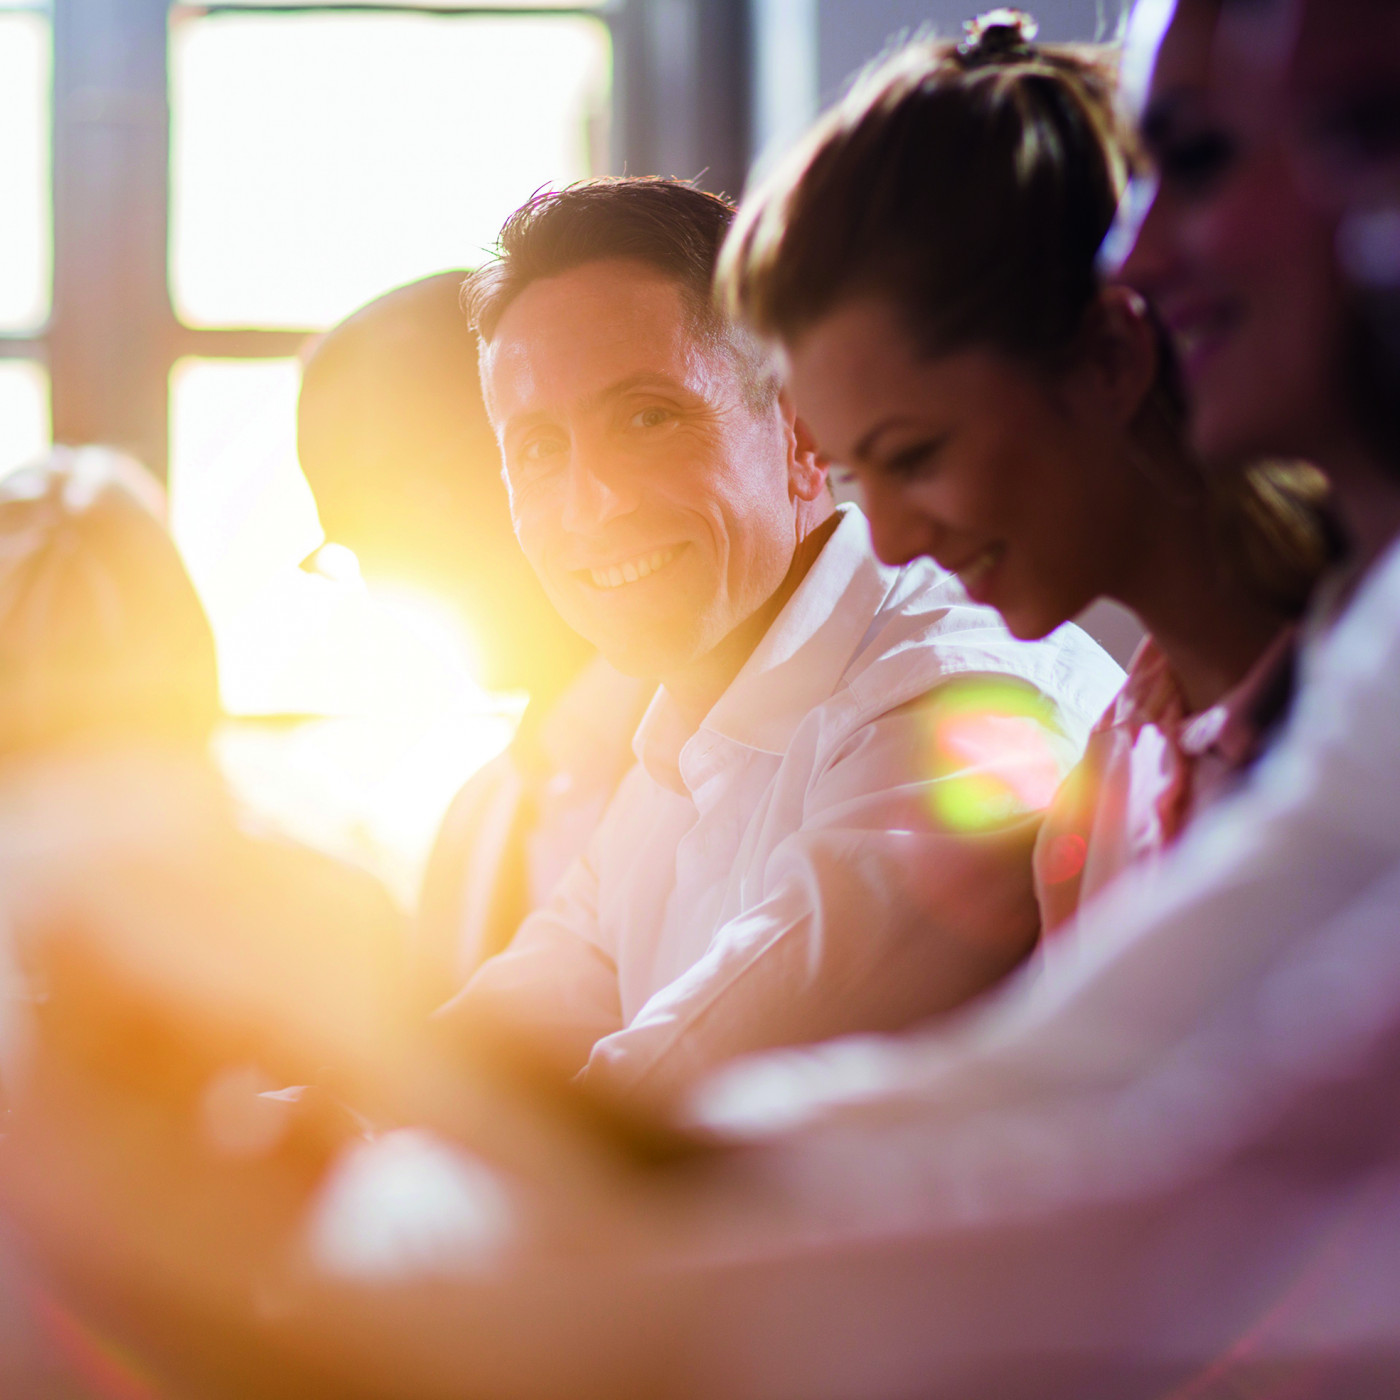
<point x="776" y="876"/>
<point x="1169" y="1150"/>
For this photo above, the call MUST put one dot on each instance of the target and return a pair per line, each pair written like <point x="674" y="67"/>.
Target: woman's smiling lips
<point x="973" y="572"/>
<point x="630" y="570"/>
<point x="1198" y="329"/>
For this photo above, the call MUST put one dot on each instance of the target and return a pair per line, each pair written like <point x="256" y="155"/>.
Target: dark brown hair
<point x="667" y="225"/>
<point x="973" y="188"/>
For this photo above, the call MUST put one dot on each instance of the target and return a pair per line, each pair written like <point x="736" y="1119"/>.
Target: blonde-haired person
<point x="109" y="700"/>
<point x="927" y="259"/>
<point x="101" y="632"/>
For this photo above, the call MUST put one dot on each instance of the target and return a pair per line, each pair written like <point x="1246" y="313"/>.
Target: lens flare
<point x="106" y="1370"/>
<point x="995" y="753"/>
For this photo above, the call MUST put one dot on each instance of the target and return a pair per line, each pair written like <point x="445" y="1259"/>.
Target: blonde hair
<point x="1273" y="524"/>
<point x="101" y="632"/>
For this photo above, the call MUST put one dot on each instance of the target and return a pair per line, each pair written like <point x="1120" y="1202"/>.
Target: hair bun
<point x="996" y="36"/>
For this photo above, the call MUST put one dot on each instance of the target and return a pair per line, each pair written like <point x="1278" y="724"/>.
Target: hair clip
<point x="997" y="35"/>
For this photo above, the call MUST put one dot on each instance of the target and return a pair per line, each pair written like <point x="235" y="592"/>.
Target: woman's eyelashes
<point x="1192" y="162"/>
<point x="914" y="458"/>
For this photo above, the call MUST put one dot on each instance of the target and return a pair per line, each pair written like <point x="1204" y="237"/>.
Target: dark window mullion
<point x="110" y="336"/>
<point x="239" y="343"/>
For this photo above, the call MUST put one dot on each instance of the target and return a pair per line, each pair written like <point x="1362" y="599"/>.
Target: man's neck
<point x="696" y="689"/>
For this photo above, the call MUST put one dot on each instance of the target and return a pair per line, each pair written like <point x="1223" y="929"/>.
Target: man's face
<point x="654" y="503"/>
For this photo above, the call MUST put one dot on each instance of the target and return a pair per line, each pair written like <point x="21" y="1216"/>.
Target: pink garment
<point x="1147" y="769"/>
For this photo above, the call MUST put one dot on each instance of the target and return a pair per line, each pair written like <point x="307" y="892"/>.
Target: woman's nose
<point x="898" y="533"/>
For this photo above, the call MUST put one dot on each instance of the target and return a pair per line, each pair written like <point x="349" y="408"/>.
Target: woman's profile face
<point x="1238" y="263"/>
<point x="1001" y="475"/>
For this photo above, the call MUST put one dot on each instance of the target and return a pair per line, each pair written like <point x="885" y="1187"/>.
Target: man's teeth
<point x="632" y="569"/>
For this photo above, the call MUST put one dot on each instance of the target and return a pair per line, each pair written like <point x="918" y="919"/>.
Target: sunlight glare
<point x="391" y="147"/>
<point x="24" y="413"/>
<point x="391" y="668"/>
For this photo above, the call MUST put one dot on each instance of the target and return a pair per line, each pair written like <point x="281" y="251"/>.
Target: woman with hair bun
<point x="927" y="259"/>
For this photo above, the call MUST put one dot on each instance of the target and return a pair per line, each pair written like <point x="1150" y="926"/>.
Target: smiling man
<point x="822" y="835"/>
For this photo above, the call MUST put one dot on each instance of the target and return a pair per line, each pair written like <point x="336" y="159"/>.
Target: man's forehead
<point x="573" y="333"/>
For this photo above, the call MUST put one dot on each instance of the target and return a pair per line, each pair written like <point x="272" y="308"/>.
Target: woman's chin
<point x="1026" y="626"/>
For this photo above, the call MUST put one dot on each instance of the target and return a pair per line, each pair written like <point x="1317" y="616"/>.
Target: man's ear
<point x="1121" y="352"/>
<point x="807" y="467"/>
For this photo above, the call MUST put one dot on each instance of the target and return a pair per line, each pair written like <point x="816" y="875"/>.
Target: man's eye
<point x="542" y="449"/>
<point x="653" y="417"/>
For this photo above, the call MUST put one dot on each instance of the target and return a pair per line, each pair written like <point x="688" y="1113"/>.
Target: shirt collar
<point x="1234" y="726"/>
<point x="796" y="666"/>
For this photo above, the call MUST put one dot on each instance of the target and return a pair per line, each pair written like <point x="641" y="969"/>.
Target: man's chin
<point x="645" y="662"/>
<point x="647" y="654"/>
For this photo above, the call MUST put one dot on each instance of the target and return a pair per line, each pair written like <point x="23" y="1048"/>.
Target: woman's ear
<point x="1121" y="352"/>
<point x="807" y="466"/>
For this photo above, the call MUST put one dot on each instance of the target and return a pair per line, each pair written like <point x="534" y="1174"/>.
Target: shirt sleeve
<point x="554" y="983"/>
<point x="876" y="912"/>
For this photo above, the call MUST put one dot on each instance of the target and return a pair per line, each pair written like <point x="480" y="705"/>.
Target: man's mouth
<point x="632" y="570"/>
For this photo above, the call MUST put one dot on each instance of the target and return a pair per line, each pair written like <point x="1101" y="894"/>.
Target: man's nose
<point x="594" y="494"/>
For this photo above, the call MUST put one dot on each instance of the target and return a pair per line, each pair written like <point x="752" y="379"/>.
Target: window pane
<point x="239" y="506"/>
<point x="24" y="412"/>
<point x="25" y="226"/>
<point x="408" y="723"/>
<point x="320" y="160"/>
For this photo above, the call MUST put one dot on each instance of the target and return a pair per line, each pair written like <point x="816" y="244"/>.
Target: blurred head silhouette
<point x="101" y="633"/>
<point x="395" y="444"/>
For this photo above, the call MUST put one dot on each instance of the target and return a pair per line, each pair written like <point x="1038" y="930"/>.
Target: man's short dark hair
<point x="668" y="225"/>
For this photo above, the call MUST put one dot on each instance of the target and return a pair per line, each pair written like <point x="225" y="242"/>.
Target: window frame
<point x="681" y="105"/>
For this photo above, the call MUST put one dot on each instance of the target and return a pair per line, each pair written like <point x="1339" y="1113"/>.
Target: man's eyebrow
<point x="644" y="379"/>
<point x="599" y="398"/>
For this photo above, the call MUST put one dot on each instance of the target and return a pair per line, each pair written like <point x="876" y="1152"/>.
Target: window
<point x="227" y="179"/>
<point x="192" y="189"/>
<point x="390" y="147"/>
<point x="316" y="161"/>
